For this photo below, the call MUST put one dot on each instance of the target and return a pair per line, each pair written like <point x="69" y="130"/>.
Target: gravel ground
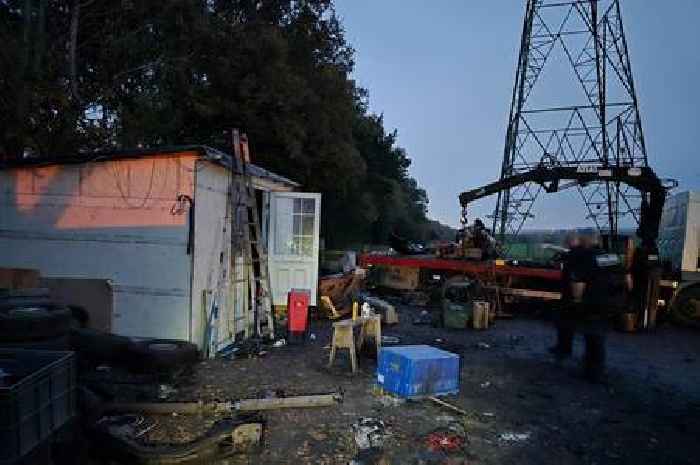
<point x="523" y="406"/>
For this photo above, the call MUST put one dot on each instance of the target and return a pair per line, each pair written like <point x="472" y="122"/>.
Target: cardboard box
<point x="399" y="277"/>
<point x="18" y="278"/>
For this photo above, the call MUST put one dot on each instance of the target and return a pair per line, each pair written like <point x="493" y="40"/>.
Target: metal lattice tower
<point x="597" y="125"/>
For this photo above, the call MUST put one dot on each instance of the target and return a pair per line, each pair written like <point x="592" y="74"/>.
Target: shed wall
<point x="111" y="220"/>
<point x="211" y="279"/>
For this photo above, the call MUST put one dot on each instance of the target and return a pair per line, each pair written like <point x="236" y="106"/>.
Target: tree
<point x="94" y="75"/>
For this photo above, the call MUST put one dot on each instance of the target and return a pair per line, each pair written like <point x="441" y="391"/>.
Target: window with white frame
<point x="294" y="226"/>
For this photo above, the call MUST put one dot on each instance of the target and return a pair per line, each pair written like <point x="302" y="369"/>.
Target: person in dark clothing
<point x="584" y="303"/>
<point x="565" y="323"/>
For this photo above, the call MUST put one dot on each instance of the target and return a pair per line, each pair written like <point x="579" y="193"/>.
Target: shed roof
<point x="208" y="153"/>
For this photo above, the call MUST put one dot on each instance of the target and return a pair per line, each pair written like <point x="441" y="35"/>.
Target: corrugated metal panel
<point x="111" y="220"/>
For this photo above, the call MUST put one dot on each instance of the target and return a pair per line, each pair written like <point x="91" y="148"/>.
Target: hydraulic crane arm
<point x="550" y="178"/>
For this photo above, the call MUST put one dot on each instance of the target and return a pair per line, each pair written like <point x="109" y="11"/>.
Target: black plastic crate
<point x="36" y="399"/>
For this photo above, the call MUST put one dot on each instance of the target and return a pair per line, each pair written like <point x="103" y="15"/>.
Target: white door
<point x="293" y="243"/>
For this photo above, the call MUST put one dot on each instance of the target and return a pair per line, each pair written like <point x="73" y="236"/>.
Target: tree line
<point x="80" y="76"/>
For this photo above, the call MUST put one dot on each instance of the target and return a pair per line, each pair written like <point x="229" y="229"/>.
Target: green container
<point x="456" y="315"/>
<point x="457" y="303"/>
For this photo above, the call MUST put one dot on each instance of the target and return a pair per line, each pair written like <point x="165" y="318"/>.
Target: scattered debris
<point x="369" y="433"/>
<point x="328" y="307"/>
<point x="165" y="391"/>
<point x="119" y="435"/>
<point x="515" y="437"/>
<point x="483" y="345"/>
<point x="280" y="343"/>
<point x="416" y="299"/>
<point x="336" y="292"/>
<point x="367" y="310"/>
<point x="425" y="318"/>
<point x="390" y="340"/>
<point x="247" y="436"/>
<point x="447" y="405"/>
<point x="391" y="401"/>
<point x="127" y="426"/>
<point x="383" y="308"/>
<point x="485" y="384"/>
<point x="249" y="348"/>
<point x="444" y="441"/>
<point x="228" y="352"/>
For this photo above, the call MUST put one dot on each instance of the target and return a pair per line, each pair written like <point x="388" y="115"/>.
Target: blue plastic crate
<point x="418" y="371"/>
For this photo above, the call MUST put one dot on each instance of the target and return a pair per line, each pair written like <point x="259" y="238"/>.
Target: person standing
<point x="595" y="307"/>
<point x="583" y="309"/>
<point x="565" y="321"/>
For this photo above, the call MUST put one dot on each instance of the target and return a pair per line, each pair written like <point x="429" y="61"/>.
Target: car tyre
<point x="163" y="354"/>
<point x="30" y="322"/>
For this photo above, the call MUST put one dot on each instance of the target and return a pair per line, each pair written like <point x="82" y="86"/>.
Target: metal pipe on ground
<point x="243" y="405"/>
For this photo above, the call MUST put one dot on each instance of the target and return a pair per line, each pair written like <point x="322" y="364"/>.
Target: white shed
<point x="156" y="224"/>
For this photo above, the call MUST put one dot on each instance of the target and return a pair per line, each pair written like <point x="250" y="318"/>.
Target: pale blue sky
<point x="442" y="73"/>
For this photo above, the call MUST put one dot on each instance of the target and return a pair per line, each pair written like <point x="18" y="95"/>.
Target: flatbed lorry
<point x="510" y="282"/>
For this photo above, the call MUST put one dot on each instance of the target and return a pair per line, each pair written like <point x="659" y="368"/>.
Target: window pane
<point x="307" y="244"/>
<point x="309" y="206"/>
<point x="297" y="246"/>
<point x="307" y="225"/>
<point x="297" y="205"/>
<point x="284" y="227"/>
<point x="297" y="225"/>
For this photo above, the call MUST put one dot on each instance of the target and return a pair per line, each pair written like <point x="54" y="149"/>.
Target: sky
<point x="441" y="72"/>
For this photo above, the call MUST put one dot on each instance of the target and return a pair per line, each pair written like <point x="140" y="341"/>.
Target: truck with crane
<point x="596" y="146"/>
<point x="662" y="286"/>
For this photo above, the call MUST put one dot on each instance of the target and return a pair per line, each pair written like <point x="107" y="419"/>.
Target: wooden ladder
<point x="246" y="238"/>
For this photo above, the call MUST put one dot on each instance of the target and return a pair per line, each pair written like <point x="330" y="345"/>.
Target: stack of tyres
<point x="30" y="320"/>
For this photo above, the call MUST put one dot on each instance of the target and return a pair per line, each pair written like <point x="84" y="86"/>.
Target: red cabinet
<point x="298" y="311"/>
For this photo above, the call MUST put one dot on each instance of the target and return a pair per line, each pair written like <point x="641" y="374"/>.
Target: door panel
<point x="294" y="229"/>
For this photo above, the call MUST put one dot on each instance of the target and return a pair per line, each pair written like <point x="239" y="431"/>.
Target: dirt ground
<point x="523" y="406"/>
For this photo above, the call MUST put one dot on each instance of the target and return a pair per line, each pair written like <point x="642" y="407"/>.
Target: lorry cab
<point x="679" y="250"/>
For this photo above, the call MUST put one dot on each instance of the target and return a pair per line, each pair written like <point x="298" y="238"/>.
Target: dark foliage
<point x="85" y="75"/>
